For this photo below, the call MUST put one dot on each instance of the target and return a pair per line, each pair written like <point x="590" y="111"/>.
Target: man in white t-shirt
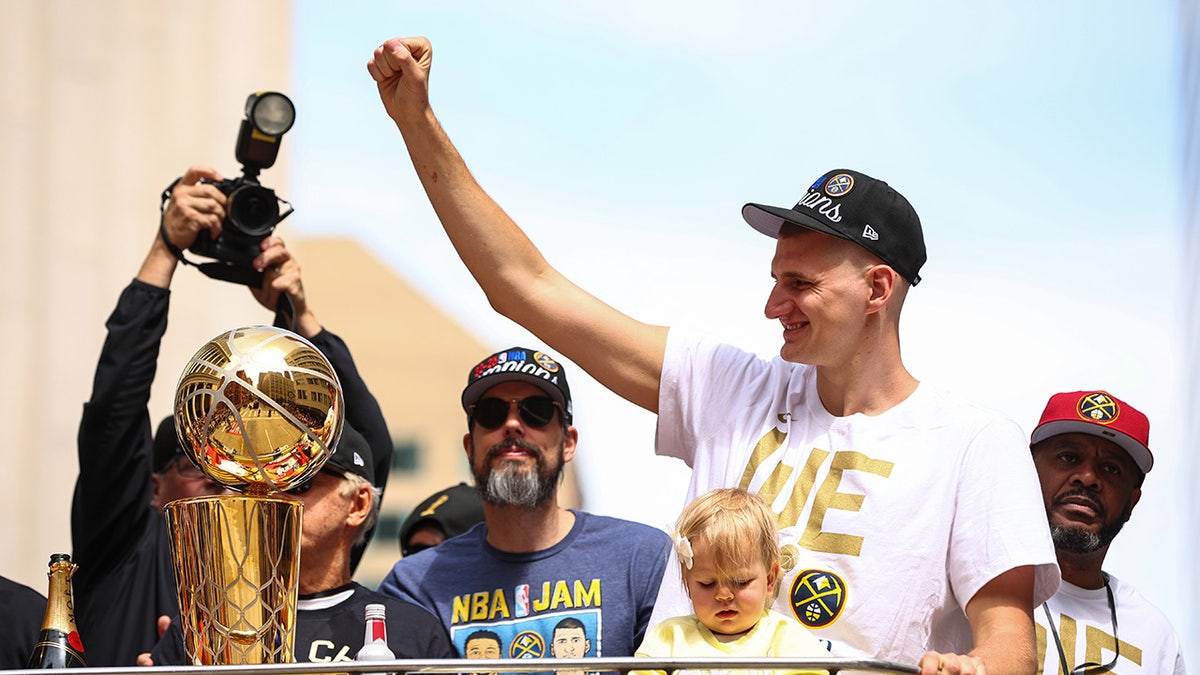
<point x="900" y="544"/>
<point x="1092" y="454"/>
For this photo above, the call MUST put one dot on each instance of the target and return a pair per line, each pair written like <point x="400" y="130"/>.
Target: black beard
<point x="1078" y="540"/>
<point x="512" y="485"/>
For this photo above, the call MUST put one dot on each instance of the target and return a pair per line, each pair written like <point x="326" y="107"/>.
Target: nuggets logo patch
<point x="546" y="362"/>
<point x="818" y="597"/>
<point x="527" y="645"/>
<point x="839" y="185"/>
<point x="1099" y="408"/>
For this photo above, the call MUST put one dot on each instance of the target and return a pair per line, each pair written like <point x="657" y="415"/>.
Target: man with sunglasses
<point x="863" y="464"/>
<point x="1092" y="453"/>
<point x="532" y="563"/>
<point x="125" y="580"/>
<point x="341" y="504"/>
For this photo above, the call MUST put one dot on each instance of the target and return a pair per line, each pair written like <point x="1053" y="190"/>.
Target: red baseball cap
<point x="1098" y="413"/>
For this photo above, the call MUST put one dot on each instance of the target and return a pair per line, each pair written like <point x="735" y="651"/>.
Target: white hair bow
<point x="683" y="548"/>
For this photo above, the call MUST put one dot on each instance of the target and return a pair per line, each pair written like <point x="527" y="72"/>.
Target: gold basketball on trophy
<point x="258" y="409"/>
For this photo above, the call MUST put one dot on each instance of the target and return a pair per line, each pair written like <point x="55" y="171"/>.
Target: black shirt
<point x="125" y="579"/>
<point x="331" y="628"/>
<point x="21" y="612"/>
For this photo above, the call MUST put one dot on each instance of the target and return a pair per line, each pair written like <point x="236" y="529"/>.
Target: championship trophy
<point x="259" y="410"/>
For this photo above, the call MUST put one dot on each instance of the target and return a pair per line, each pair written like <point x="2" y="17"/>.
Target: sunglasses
<point x="308" y="484"/>
<point x="492" y="413"/>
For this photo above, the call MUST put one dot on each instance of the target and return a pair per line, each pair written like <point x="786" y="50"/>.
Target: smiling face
<point x="1090" y="486"/>
<point x="820" y="295"/>
<point x="729" y="604"/>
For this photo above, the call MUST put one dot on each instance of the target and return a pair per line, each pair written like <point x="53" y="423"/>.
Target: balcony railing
<point x="835" y="666"/>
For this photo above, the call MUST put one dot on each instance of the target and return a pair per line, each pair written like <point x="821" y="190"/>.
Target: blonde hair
<point x="737" y="526"/>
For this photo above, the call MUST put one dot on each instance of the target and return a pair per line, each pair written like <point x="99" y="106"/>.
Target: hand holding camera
<point x="195" y="206"/>
<point x="227" y="219"/>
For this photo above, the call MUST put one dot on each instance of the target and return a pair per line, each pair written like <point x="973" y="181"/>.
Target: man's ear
<point x="882" y="281"/>
<point x="360" y="507"/>
<point x="570" y="440"/>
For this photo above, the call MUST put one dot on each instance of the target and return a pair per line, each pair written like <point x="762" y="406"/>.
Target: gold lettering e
<point x="828" y="497"/>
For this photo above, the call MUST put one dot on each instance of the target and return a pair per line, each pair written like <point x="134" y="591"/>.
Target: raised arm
<point x="625" y="355"/>
<point x="112" y="493"/>
<point x="283" y="277"/>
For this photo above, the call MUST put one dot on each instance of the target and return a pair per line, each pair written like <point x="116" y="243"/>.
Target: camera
<point x="252" y="210"/>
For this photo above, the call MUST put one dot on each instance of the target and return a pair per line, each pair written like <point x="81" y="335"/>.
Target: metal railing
<point x="833" y="666"/>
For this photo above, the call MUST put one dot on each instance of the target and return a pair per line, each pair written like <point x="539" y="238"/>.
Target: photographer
<point x="126" y="580"/>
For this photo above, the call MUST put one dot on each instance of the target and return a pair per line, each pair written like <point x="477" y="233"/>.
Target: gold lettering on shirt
<point x="768" y="444"/>
<point x="462" y="607"/>
<point x="827" y="496"/>
<point x="1099" y="645"/>
<point x="1039" y="634"/>
<point x="479" y="606"/>
<point x="499" y="606"/>
<point x="808" y="478"/>
<point x="1097" y="640"/>
<point x="589" y="596"/>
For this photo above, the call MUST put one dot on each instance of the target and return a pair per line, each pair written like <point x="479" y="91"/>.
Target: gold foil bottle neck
<point x="59" y="645"/>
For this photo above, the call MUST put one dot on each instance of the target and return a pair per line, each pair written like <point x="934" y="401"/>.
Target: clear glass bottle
<point x="58" y="644"/>
<point x="375" y="645"/>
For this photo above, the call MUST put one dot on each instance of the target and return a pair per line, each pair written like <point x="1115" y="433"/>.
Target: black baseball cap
<point x="455" y="509"/>
<point x="853" y="206"/>
<point x="524" y="364"/>
<point x="352" y="454"/>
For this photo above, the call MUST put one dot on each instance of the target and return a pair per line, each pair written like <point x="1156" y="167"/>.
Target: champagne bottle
<point x="58" y="644"/>
<point x="375" y="646"/>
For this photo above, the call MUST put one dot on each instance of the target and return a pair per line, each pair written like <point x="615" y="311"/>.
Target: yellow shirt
<point x="773" y="635"/>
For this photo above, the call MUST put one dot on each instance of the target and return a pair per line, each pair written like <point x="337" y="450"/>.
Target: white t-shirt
<point x="1149" y="644"/>
<point x="889" y="524"/>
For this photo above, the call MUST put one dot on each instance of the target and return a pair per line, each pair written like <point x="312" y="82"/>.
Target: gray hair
<point x="353" y="481"/>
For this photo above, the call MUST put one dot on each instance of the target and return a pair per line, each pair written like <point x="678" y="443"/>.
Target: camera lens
<point x="253" y="210"/>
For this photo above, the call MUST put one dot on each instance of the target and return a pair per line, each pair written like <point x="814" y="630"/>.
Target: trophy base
<point x="237" y="569"/>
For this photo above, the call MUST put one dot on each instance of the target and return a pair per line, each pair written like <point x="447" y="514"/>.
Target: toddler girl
<point x="728" y="550"/>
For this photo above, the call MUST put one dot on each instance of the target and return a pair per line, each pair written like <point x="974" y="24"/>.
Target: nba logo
<point x="522" y="602"/>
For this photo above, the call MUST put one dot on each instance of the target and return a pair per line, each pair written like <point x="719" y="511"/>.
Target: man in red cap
<point x="1092" y="453"/>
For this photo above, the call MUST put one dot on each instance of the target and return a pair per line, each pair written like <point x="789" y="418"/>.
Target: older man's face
<point x="1089" y="485"/>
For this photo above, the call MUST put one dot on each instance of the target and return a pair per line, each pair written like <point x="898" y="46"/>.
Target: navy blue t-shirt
<point x="594" y="590"/>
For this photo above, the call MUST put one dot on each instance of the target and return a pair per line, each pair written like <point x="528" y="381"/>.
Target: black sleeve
<point x="363" y="413"/>
<point x="362" y="410"/>
<point x="115" y="443"/>
<point x="169" y="650"/>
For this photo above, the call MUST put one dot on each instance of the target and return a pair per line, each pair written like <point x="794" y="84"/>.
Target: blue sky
<point x="1039" y="143"/>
